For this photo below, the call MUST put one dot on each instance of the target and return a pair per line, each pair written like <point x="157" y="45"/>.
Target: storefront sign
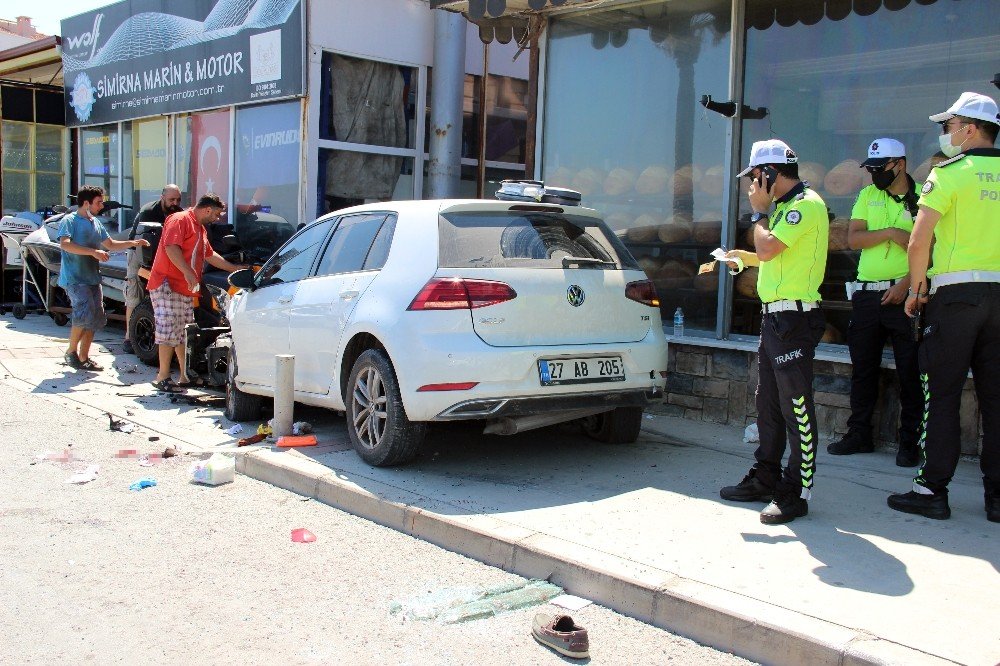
<point x="148" y="57"/>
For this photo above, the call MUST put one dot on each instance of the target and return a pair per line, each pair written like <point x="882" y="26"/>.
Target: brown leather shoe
<point x="562" y="634"/>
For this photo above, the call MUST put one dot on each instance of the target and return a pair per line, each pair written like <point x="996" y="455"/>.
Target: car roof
<point x="438" y="206"/>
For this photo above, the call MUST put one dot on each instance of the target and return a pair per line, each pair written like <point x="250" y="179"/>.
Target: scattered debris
<point x="301" y="428"/>
<point x="126" y="367"/>
<point x="751" y="434"/>
<point x="154" y="438"/>
<point x="66" y="456"/>
<point x="147" y="461"/>
<point x="129" y="413"/>
<point x="235" y="429"/>
<point x="146" y="482"/>
<point x="86" y="476"/>
<point x="302" y="535"/>
<point x="218" y="469"/>
<point x="170" y="452"/>
<point x="290" y="441"/>
<point x="265" y="429"/>
<point x="252" y="439"/>
<point x="127" y="453"/>
<point x="450" y="606"/>
<point x="119" y="425"/>
<point x="570" y="602"/>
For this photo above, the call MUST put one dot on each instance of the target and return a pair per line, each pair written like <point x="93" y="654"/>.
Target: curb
<point x="712" y="616"/>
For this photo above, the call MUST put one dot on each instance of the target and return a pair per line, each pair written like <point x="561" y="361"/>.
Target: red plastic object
<point x="302" y="535"/>
<point x="289" y="441"/>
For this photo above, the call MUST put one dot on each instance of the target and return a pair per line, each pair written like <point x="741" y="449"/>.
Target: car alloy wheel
<point x="369" y="410"/>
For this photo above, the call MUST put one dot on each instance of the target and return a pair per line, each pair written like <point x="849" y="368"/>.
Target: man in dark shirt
<point x="155" y="211"/>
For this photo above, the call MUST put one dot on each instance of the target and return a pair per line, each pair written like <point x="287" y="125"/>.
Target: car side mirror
<point x="242" y="279"/>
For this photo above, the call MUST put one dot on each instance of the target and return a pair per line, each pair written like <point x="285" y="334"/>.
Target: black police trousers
<point x="871" y="325"/>
<point x="961" y="331"/>
<point x="785" y="405"/>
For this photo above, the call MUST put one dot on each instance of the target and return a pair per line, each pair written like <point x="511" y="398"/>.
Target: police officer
<point x="880" y="227"/>
<point x="791" y="246"/>
<point x="960" y="207"/>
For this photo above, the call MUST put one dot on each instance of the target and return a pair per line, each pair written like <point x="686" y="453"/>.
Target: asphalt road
<point x="183" y="573"/>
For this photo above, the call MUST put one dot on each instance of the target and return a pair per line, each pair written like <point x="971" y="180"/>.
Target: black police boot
<point x="850" y="443"/>
<point x="908" y="455"/>
<point x="929" y="506"/>
<point x="993" y="507"/>
<point x="750" y="489"/>
<point x="784" y="508"/>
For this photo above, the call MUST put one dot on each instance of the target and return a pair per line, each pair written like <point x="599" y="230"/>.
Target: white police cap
<point x="771" y="151"/>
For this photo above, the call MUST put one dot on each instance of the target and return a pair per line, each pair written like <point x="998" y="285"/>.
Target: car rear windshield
<point x="511" y="239"/>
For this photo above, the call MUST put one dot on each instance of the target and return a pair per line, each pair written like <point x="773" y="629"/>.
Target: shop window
<point x="623" y="126"/>
<point x="506" y="118"/>
<point x="367" y="121"/>
<point x="350" y="178"/>
<point x="17" y="103"/>
<point x="202" y="149"/>
<point x="367" y="102"/>
<point x="144" y="171"/>
<point x="268" y="153"/>
<point x="99" y="160"/>
<point x="835" y="81"/>
<point x="33" y="166"/>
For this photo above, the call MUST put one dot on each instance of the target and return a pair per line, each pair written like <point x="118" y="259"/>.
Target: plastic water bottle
<point x="678" y="323"/>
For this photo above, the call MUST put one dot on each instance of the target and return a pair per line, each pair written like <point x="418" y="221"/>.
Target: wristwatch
<point x="757" y="217"/>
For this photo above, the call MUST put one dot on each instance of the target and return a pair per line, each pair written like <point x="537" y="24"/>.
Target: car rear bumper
<point x="491" y="408"/>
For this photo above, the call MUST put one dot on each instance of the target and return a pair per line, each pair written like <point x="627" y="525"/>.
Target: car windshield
<point x="511" y="238"/>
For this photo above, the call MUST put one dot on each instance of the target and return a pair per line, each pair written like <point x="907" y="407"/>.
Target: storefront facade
<point x="620" y="120"/>
<point x="351" y="130"/>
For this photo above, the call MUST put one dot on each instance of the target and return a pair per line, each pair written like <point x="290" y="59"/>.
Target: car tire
<point x="381" y="437"/>
<point x="60" y="319"/>
<point x="19" y="311"/>
<point x="240" y="406"/>
<point x="619" y="426"/>
<point x="142" y="333"/>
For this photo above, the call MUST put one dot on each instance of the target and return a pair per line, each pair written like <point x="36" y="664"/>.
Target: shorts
<point x="88" y="306"/>
<point x="171" y="313"/>
<point x="134" y="292"/>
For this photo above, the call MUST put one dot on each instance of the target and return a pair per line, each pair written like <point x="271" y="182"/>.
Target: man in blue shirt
<point x="81" y="239"/>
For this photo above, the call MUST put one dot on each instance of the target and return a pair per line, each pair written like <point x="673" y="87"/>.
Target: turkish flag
<point x="210" y="150"/>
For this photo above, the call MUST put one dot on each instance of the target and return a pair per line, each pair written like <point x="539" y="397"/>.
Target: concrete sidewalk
<point x="638" y="528"/>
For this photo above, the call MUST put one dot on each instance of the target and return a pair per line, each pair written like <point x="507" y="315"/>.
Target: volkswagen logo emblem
<point x="575" y="295"/>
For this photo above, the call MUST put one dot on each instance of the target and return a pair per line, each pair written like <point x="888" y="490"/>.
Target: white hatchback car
<point x="399" y="314"/>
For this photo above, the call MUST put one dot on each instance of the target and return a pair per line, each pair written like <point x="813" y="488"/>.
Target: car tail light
<point x="460" y="294"/>
<point x="643" y="292"/>
<point x="454" y="386"/>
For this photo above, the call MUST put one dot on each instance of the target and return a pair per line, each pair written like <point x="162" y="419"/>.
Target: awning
<point x="480" y="9"/>
<point x="39" y="61"/>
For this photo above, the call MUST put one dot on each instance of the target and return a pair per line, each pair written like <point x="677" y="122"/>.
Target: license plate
<point x="555" y="372"/>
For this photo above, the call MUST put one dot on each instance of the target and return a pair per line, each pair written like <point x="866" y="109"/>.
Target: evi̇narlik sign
<point x="148" y="57"/>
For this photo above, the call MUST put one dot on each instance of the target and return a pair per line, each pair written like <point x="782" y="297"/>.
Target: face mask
<point x="946" y="146"/>
<point x="883" y="179"/>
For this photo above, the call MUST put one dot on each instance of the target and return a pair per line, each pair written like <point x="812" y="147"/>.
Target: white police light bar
<point x="536" y="191"/>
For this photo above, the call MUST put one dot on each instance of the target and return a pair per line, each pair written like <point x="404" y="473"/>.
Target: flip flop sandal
<point x="167" y="386"/>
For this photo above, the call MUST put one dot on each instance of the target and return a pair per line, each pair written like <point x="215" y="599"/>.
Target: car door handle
<point x="285" y="299"/>
<point x="348" y="295"/>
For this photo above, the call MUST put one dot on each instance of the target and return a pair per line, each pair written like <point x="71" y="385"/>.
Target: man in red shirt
<point x="174" y="279"/>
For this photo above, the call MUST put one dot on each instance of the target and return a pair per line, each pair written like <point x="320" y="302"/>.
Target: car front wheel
<point x="619" y="426"/>
<point x="240" y="406"/>
<point x="142" y="333"/>
<point x="376" y="420"/>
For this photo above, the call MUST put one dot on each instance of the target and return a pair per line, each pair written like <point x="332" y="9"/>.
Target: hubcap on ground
<point x="368" y="407"/>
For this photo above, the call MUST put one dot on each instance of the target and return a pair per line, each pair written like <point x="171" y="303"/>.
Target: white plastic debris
<point x="751" y="435"/>
<point x="570" y="602"/>
<point x="235" y="430"/>
<point x="86" y="476"/>
<point x="218" y="469"/>
<point x="301" y="428"/>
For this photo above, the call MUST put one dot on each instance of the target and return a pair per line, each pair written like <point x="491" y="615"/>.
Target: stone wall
<point x="718" y="385"/>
